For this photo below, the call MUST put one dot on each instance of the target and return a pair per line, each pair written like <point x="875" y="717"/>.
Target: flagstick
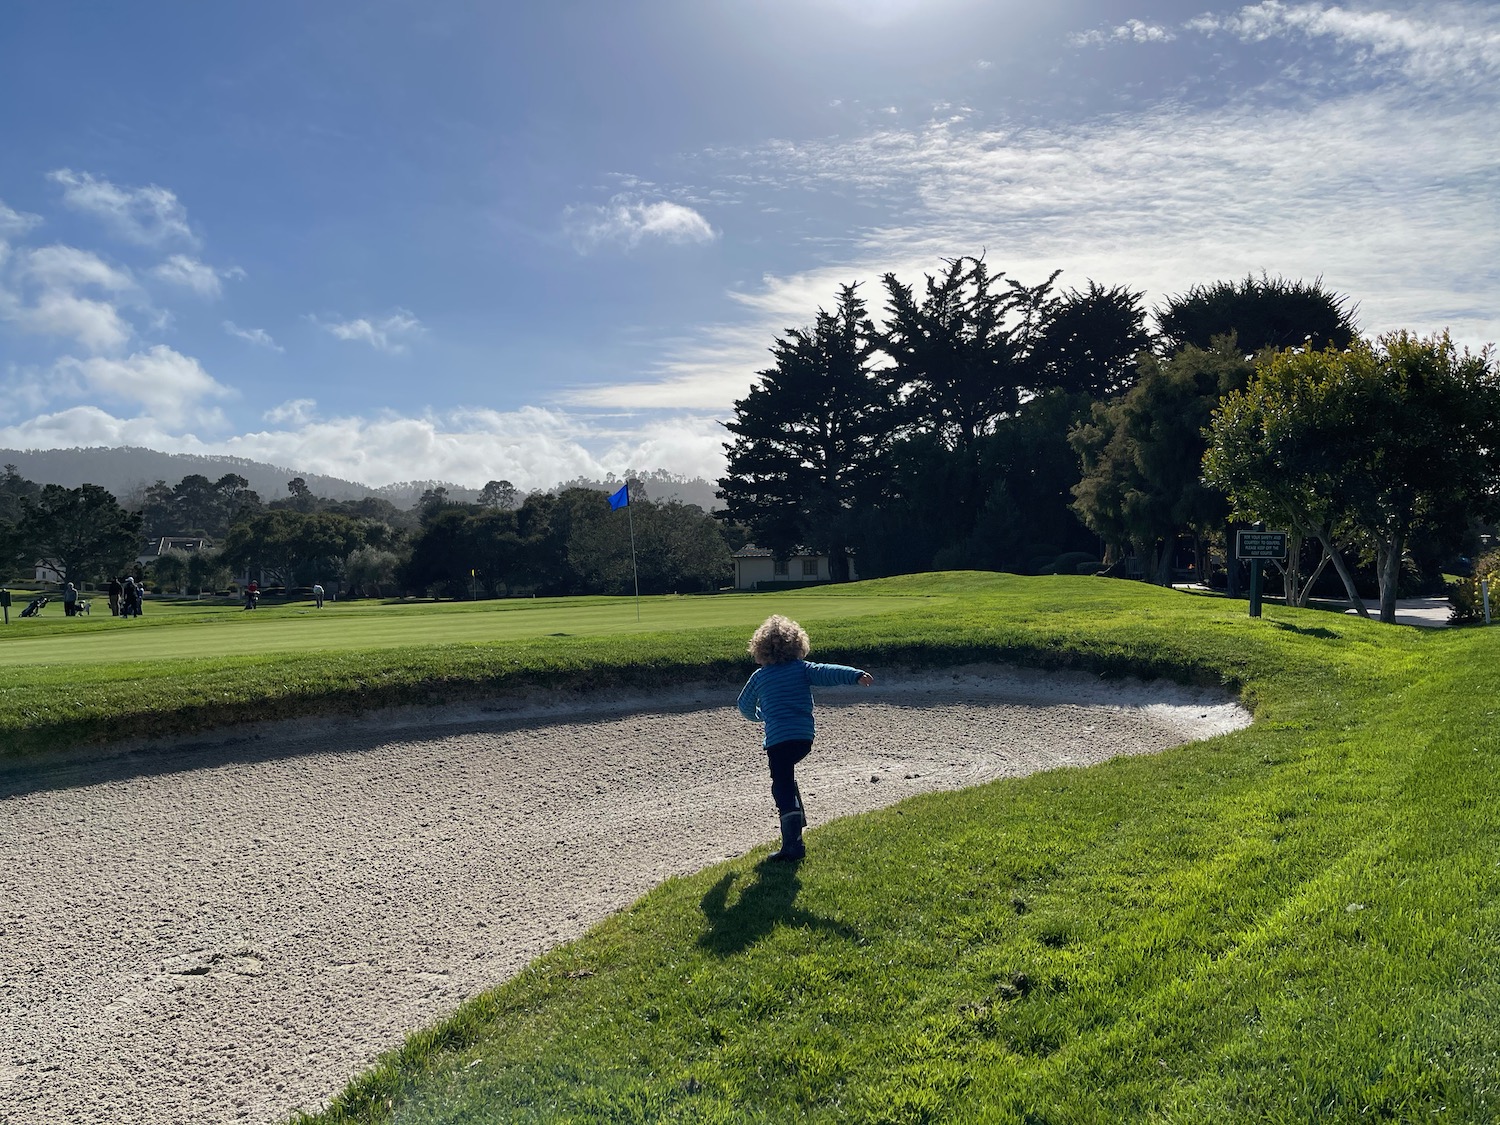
<point x="630" y="518"/>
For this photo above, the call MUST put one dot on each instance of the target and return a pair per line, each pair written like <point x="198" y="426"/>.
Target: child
<point x="779" y="694"/>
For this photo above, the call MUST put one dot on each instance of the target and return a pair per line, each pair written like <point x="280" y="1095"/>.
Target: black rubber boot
<point x="792" y="823"/>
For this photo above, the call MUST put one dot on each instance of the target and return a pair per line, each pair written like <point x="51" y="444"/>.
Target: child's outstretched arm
<point x="829" y="675"/>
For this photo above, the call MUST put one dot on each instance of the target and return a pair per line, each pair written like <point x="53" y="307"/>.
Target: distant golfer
<point x="779" y="694"/>
<point x="318" y="593"/>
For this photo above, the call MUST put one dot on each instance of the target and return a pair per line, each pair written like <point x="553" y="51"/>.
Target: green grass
<point x="187" y="666"/>
<point x="1294" y="923"/>
<point x="364" y="626"/>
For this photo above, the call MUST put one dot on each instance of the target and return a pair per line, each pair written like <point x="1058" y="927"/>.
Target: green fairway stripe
<point x="230" y="631"/>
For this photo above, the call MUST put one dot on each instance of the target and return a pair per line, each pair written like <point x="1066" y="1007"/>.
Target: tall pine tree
<point x="810" y="437"/>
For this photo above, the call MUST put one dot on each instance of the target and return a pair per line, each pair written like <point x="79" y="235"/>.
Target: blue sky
<point x="470" y="241"/>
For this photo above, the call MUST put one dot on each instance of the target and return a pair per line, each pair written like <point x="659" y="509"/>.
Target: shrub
<point x="1067" y="562"/>
<point x="1465" y="594"/>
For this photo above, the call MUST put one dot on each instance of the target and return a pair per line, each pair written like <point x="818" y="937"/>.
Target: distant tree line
<point x="570" y="542"/>
<point x="502" y="544"/>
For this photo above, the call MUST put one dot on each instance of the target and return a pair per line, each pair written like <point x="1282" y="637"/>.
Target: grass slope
<point x="1295" y="923"/>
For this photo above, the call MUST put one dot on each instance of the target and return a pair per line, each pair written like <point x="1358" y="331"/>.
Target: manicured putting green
<point x="170" y="632"/>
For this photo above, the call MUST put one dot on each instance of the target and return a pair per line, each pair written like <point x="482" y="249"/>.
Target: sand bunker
<point x="228" y="931"/>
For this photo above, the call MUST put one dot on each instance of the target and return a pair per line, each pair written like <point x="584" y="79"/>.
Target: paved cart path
<point x="227" y="932"/>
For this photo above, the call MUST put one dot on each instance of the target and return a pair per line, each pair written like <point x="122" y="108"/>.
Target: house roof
<point x="161" y="546"/>
<point x="751" y="551"/>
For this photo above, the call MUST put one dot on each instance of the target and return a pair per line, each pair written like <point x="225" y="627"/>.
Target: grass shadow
<point x="765" y="903"/>
<point x="1301" y="630"/>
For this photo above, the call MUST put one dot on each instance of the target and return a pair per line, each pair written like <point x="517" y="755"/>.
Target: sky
<point x="455" y="240"/>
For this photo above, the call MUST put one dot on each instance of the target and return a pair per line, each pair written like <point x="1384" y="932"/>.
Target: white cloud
<point x="293" y="412"/>
<point x="1444" y="45"/>
<point x="149" y="216"/>
<point x="83" y="426"/>
<point x="169" y="387"/>
<point x="629" y="220"/>
<point x="44" y="297"/>
<point x="258" y="336"/>
<point x="532" y="447"/>
<point x="16" y="222"/>
<point x="1131" y="31"/>
<point x="190" y="273"/>
<point x="1457" y="44"/>
<point x="66" y="267"/>
<point x="93" y="324"/>
<point x="717" y="365"/>
<point x="386" y="334"/>
<point x="1389" y="199"/>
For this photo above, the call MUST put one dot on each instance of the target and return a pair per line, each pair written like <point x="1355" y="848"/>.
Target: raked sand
<point x="228" y="930"/>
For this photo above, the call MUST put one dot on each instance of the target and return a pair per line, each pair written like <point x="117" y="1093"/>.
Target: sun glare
<point x="880" y="13"/>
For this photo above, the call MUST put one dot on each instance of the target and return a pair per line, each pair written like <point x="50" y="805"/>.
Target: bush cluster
<point x="1467" y="595"/>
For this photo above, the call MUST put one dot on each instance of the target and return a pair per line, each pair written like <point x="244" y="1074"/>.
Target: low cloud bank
<point x="531" y="447"/>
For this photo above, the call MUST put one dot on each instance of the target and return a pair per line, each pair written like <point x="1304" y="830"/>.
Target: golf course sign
<point x="1260" y="545"/>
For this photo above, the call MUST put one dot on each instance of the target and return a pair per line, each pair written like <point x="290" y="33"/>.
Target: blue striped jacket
<point x="780" y="695"/>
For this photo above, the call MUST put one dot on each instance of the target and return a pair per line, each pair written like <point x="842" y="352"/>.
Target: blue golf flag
<point x="620" y="499"/>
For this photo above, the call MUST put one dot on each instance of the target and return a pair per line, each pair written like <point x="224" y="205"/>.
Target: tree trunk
<point x="1388" y="558"/>
<point x="1164" y="563"/>
<point x="1355" y="601"/>
<point x="1305" y="595"/>
<point x="1291" y="572"/>
<point x="1231" y="563"/>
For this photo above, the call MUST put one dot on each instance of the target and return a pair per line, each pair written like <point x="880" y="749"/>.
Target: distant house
<point x="756" y="568"/>
<point x="47" y="570"/>
<point x="158" y="547"/>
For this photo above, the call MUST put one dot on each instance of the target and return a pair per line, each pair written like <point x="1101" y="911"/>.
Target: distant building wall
<point x="755" y="566"/>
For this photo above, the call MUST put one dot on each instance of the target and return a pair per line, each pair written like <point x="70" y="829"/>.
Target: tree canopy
<point x="1260" y="313"/>
<point x="1090" y="342"/>
<point x="1383" y="441"/>
<point x="82" y="533"/>
<point x="196" y="506"/>
<point x="1142" y="454"/>
<point x="294" y="545"/>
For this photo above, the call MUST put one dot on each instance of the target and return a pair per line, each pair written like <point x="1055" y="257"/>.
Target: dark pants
<point x="783" y="759"/>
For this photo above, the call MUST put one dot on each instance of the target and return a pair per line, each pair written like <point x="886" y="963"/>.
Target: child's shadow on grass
<point x="767" y="902"/>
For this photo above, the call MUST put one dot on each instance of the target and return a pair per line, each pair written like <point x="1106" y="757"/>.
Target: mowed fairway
<point x="186" y="667"/>
<point x="171" y="632"/>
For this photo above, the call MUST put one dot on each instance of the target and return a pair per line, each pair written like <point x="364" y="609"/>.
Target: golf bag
<point x="35" y="607"/>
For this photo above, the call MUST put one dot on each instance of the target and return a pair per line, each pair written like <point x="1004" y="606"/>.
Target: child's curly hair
<point x="779" y="640"/>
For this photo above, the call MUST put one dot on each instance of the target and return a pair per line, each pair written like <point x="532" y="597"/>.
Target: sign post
<point x="5" y="604"/>
<point x="1258" y="546"/>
